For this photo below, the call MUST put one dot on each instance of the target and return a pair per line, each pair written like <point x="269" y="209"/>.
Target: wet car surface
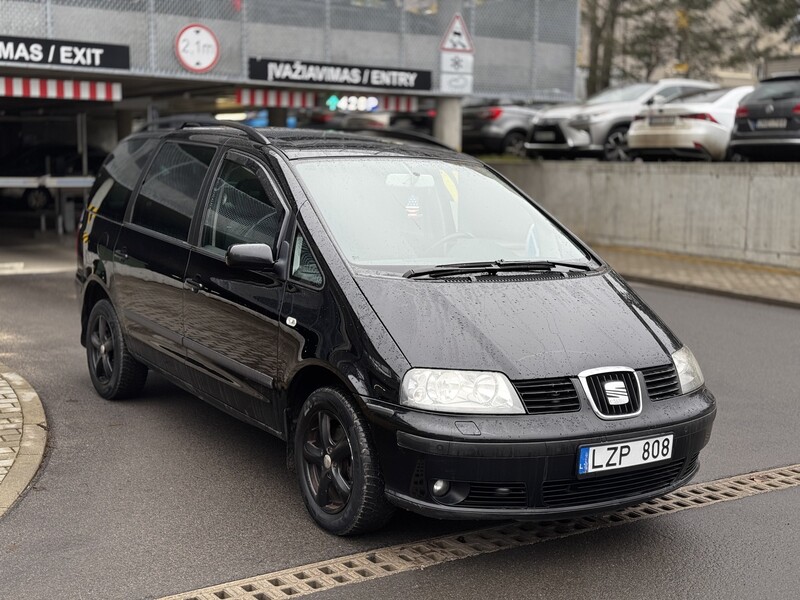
<point x="418" y="331"/>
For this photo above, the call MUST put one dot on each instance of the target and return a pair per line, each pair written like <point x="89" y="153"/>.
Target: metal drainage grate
<point x="308" y="579"/>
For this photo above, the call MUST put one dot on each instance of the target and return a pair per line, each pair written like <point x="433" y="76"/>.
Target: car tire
<point x="732" y="155"/>
<point x="37" y="198"/>
<point x="615" y="146"/>
<point x="337" y="466"/>
<point x="514" y="144"/>
<point x="115" y="373"/>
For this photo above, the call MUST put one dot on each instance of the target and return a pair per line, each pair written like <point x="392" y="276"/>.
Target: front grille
<point x="604" y="403"/>
<point x="662" y="382"/>
<point x="496" y="495"/>
<point x="566" y="493"/>
<point x="556" y="129"/>
<point x="543" y="396"/>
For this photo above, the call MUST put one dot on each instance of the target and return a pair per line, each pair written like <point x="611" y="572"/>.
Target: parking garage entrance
<point x="54" y="134"/>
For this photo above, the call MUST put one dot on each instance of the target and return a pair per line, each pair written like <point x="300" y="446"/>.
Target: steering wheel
<point x="457" y="235"/>
<point x="255" y="225"/>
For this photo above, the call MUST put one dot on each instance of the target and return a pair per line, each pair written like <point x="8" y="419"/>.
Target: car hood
<point x="525" y="327"/>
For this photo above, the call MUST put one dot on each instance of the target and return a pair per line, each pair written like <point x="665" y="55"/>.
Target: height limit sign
<point x="457" y="58"/>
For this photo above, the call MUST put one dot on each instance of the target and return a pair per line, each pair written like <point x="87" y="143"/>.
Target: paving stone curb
<point x="706" y="289"/>
<point x="734" y="279"/>
<point x="28" y="451"/>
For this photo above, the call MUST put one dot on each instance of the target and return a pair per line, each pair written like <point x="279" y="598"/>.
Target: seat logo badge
<point x="291" y="321"/>
<point x="770" y="109"/>
<point x="616" y="393"/>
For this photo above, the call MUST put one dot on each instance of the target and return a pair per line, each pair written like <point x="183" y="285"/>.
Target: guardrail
<point x="48" y="181"/>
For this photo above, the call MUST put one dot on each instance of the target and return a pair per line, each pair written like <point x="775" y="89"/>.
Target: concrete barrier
<point x="742" y="211"/>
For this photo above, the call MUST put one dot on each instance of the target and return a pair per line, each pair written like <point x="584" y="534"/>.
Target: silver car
<point x="599" y="127"/>
<point x="499" y="127"/>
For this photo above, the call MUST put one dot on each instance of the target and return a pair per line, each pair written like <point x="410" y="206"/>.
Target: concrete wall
<point x="743" y="211"/>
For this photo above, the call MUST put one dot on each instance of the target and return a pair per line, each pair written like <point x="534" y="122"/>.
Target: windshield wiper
<point x="494" y="267"/>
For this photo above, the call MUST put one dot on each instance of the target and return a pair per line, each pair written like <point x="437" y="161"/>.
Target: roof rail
<point x="175" y="121"/>
<point x="399" y="134"/>
<point x="251" y="132"/>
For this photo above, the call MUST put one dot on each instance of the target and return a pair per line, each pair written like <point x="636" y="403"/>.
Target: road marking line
<point x="307" y="579"/>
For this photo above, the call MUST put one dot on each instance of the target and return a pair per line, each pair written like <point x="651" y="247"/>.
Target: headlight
<point x="689" y="373"/>
<point x="460" y="392"/>
<point x="587" y="117"/>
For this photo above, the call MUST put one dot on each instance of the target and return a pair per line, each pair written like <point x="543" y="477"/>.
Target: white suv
<point x="599" y="127"/>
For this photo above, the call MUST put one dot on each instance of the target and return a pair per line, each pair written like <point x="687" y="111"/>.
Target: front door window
<point x="243" y="210"/>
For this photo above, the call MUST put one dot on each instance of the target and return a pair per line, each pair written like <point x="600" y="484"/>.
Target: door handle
<point x="194" y="285"/>
<point x="121" y="254"/>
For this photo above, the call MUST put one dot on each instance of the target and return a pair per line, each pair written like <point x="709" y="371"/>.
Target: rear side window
<point x="704" y="96"/>
<point x="244" y="208"/>
<point x="171" y="189"/>
<point x="119" y="175"/>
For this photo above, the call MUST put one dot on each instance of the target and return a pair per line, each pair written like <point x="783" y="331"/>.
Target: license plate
<point x="661" y="121"/>
<point x="771" y="124"/>
<point x="592" y="459"/>
<point x="544" y="136"/>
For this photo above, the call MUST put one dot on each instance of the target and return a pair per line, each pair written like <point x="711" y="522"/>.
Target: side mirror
<point x="250" y="256"/>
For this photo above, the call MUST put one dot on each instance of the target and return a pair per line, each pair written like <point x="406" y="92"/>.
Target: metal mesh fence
<point x="23" y="18"/>
<point x="523" y="48"/>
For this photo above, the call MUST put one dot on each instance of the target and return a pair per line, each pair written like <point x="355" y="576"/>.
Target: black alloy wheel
<point x="615" y="147"/>
<point x="328" y="462"/>
<point x="115" y="373"/>
<point x="337" y="466"/>
<point x="101" y="350"/>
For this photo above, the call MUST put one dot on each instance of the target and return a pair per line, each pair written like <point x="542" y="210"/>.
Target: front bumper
<point x="525" y="466"/>
<point x="688" y="142"/>
<point x="551" y="136"/>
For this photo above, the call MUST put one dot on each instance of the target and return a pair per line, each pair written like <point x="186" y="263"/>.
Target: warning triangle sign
<point x="457" y="38"/>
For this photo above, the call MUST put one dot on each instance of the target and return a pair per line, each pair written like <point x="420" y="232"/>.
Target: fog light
<point x="441" y="487"/>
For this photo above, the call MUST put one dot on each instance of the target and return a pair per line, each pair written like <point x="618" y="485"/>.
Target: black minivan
<point x="420" y="332"/>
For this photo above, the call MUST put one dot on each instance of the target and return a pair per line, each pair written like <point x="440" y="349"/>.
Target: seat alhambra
<point x="420" y="332"/>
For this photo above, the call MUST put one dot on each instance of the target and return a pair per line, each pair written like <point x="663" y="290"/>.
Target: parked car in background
<point x="418" y="331"/>
<point x="497" y="126"/>
<point x="696" y="126"/>
<point x="58" y="160"/>
<point x="599" y="127"/>
<point x="768" y="121"/>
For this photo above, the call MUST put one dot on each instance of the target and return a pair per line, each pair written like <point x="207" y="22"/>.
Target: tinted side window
<point x="244" y="208"/>
<point x="119" y="175"/>
<point x="170" y="191"/>
<point x="304" y="266"/>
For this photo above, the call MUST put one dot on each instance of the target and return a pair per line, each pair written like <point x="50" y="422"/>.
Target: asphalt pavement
<point x="165" y="494"/>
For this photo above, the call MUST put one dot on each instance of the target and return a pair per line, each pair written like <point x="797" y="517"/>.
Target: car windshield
<point x="391" y="214"/>
<point x="776" y="90"/>
<point x="620" y="94"/>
